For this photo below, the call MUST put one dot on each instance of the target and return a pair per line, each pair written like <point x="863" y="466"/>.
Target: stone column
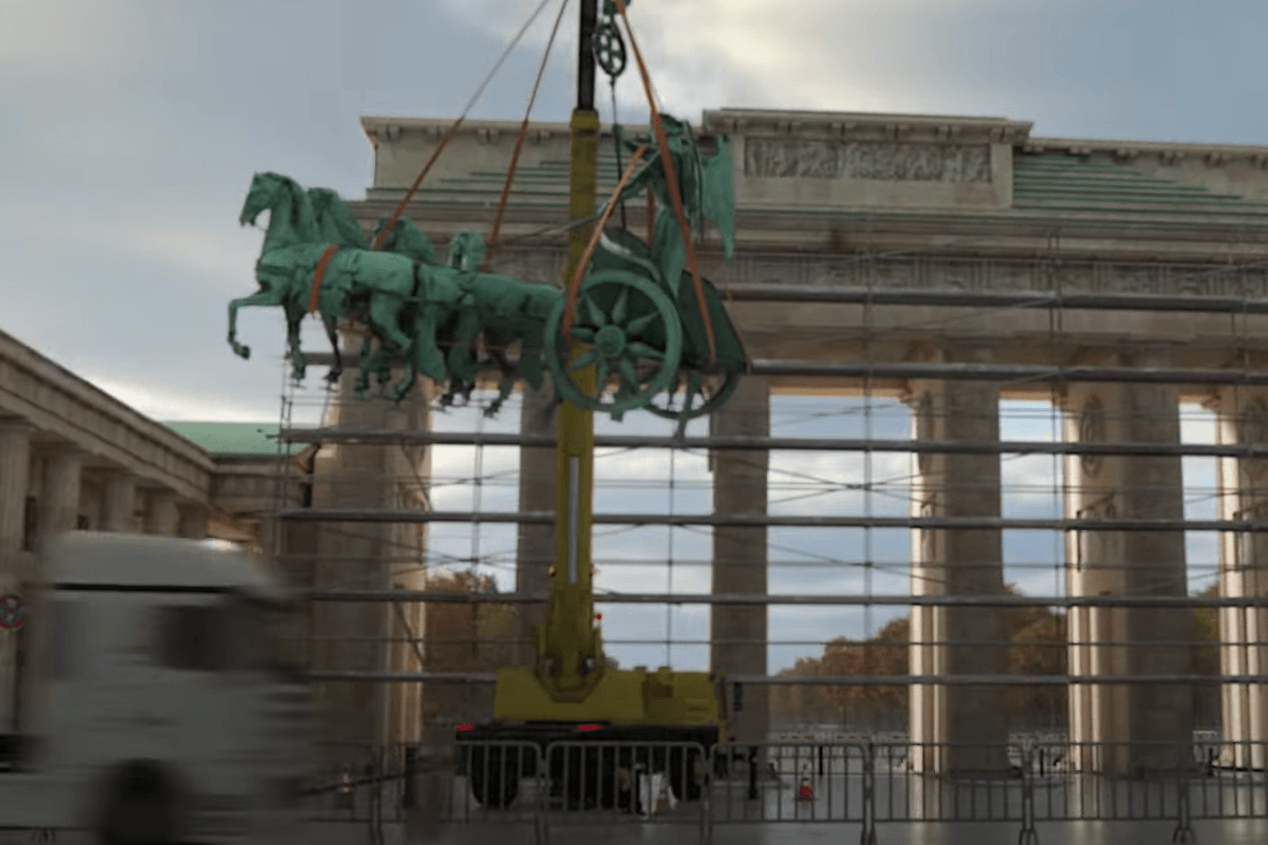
<point x="163" y="515"/>
<point x="15" y="469"/>
<point x="535" y="544"/>
<point x="59" y="493"/>
<point x="411" y="465"/>
<point x="192" y="524"/>
<point x="957" y="562"/>
<point x="118" y="505"/>
<point x="360" y="556"/>
<point x="739" y="552"/>
<point x="351" y="555"/>
<point x="1243" y="495"/>
<point x="1126" y="729"/>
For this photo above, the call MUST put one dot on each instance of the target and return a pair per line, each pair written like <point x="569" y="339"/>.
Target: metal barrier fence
<point x="583" y="783"/>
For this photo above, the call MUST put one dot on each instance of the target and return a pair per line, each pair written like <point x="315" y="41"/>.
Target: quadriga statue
<point x="637" y="314"/>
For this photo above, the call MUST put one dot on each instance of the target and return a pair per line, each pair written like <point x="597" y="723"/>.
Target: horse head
<point x="292" y="212"/>
<point x="466" y="251"/>
<point x="406" y="238"/>
<point x="263" y="194"/>
<point x="335" y="222"/>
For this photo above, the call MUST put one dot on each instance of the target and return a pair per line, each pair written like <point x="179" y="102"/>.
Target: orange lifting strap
<point x="519" y="145"/>
<point x="575" y="285"/>
<point x="671" y="178"/>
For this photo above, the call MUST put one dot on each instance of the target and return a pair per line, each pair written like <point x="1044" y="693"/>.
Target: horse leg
<point x="427" y="357"/>
<point x="406" y="383"/>
<point x="505" y="385"/>
<point x="337" y="370"/>
<point x="299" y="364"/>
<point x="462" y="365"/>
<point x="265" y="298"/>
<point x="384" y="317"/>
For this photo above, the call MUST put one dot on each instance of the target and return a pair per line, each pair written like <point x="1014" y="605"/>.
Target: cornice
<point x="1213" y="155"/>
<point x="847" y="126"/>
<point x="379" y="128"/>
<point x="14" y="353"/>
<point x="867" y="126"/>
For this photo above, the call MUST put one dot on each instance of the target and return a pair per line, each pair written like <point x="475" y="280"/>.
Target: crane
<point x="571" y="693"/>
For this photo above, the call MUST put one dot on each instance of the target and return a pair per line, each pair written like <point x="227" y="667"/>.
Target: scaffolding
<point x="863" y="476"/>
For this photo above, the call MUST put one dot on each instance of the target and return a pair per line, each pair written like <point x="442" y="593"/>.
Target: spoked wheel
<point x="633" y="333"/>
<point x="701" y="394"/>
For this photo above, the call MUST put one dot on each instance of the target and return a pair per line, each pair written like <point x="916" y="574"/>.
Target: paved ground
<point x="636" y="833"/>
<point x="1083" y="833"/>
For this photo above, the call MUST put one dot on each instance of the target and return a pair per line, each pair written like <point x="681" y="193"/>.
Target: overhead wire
<point x="453" y="129"/>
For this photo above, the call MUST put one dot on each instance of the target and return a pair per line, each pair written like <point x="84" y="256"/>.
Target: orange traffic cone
<point x="345" y="791"/>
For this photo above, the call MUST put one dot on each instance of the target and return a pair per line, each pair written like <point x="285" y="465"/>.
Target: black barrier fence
<point x="863" y="783"/>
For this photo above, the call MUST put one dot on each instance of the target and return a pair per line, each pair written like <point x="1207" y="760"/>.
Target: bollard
<point x="820" y="761"/>
<point x="752" y="773"/>
<point x="346" y="798"/>
<point x="407" y="794"/>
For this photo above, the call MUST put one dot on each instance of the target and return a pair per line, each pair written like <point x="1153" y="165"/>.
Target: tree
<point x="465" y="637"/>
<point x="1206" y="658"/>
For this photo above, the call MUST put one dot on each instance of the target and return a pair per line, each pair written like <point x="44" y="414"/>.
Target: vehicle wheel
<point x="140" y="806"/>
<point x="494" y="780"/>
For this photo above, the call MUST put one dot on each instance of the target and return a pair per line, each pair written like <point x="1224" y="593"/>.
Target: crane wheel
<point x="141" y="805"/>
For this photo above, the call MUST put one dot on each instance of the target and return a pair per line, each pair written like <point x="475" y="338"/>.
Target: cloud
<point x="63" y="37"/>
<point x="170" y="405"/>
<point x="182" y="249"/>
<point x="867" y="55"/>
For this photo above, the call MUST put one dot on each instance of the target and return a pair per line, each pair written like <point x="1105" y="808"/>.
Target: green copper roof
<point x="1074" y="183"/>
<point x="233" y="439"/>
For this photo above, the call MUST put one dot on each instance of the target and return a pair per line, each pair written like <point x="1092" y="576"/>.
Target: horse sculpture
<point x="446" y="319"/>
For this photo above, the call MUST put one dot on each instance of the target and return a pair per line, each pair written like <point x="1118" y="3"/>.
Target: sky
<point x="132" y="127"/>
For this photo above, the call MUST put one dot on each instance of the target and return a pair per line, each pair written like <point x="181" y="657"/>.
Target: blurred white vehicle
<point x="156" y="708"/>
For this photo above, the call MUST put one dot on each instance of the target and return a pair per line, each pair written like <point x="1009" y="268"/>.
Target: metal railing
<point x="845" y="781"/>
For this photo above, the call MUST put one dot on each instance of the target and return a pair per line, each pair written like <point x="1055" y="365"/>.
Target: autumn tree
<point x="1206" y="659"/>
<point x="465" y="637"/>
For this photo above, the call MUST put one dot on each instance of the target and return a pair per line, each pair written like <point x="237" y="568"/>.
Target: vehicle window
<point x="191" y="637"/>
<point x="260" y="629"/>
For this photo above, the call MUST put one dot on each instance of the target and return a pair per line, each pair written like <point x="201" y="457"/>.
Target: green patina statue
<point x="637" y="306"/>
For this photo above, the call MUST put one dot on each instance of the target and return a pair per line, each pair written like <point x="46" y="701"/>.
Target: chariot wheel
<point x="632" y="332"/>
<point x="702" y="394"/>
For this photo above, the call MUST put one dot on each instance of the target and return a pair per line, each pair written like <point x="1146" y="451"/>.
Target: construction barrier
<point x="581" y="785"/>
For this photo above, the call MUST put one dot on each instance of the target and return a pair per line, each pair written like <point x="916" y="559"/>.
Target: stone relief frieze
<point x="932" y="272"/>
<point x="994" y="274"/>
<point x="889" y="162"/>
